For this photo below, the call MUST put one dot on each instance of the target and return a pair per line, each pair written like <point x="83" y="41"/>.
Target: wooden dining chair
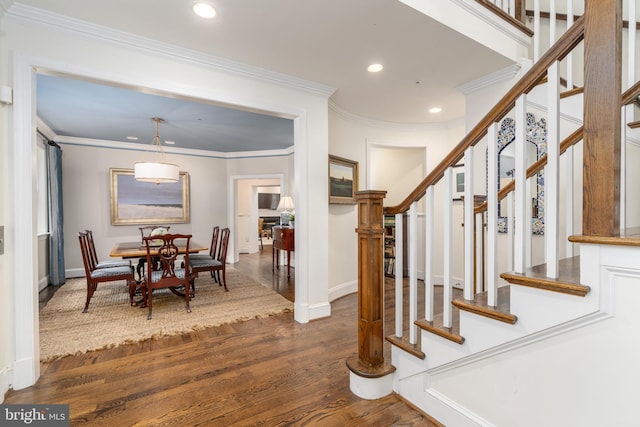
<point x="146" y="231"/>
<point x="213" y="249"/>
<point x="167" y="275"/>
<point x="96" y="275"/>
<point x="213" y="265"/>
<point x="107" y="263"/>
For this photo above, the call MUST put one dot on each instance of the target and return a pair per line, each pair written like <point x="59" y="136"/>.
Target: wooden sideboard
<point x="283" y="240"/>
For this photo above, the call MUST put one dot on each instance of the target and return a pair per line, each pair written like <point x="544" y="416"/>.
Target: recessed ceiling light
<point x="132" y="138"/>
<point x="170" y="142"/>
<point x="204" y="10"/>
<point x="435" y="110"/>
<point x="375" y="68"/>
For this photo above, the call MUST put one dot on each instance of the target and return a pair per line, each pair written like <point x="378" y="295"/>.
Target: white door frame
<point x="232" y="208"/>
<point x="23" y="241"/>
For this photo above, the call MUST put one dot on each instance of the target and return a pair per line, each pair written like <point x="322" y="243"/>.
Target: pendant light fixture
<point x="159" y="171"/>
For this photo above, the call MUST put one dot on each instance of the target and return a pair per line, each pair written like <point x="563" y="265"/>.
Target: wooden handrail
<point x="557" y="52"/>
<point x="518" y="23"/>
<point x="631" y="95"/>
<point x="536" y="167"/>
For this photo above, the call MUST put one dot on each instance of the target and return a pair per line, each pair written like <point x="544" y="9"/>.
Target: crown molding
<point x="133" y="146"/>
<point x="78" y="27"/>
<point x="499" y="76"/>
<point x="354" y="118"/>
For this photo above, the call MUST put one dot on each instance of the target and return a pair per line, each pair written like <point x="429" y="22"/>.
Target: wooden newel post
<point x="370" y="362"/>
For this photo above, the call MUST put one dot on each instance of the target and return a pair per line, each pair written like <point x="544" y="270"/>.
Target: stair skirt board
<point x="438" y="405"/>
<point x="413" y="382"/>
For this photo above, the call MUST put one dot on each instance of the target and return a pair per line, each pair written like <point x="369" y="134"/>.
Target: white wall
<point x="246" y="230"/>
<point x="6" y="284"/>
<point x="587" y="376"/>
<point x="86" y="199"/>
<point x="58" y="45"/>
<point x="349" y="138"/>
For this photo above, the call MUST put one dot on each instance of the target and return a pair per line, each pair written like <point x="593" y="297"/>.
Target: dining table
<point x="128" y="250"/>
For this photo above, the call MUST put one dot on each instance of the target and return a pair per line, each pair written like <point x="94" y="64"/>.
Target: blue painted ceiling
<point x="76" y="108"/>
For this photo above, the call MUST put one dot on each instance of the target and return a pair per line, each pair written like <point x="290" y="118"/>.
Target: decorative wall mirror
<point x="536" y="147"/>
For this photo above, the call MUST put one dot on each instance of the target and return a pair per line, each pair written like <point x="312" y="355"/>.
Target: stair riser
<point x="540" y="309"/>
<point x="482" y="333"/>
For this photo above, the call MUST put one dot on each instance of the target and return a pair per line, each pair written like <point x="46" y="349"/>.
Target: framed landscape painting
<point x="135" y="202"/>
<point x="343" y="180"/>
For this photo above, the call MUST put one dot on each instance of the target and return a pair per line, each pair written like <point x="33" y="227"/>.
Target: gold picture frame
<point x="343" y="180"/>
<point x="136" y="202"/>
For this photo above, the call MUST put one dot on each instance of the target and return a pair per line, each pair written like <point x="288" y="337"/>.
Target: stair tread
<point x="404" y="344"/>
<point x="568" y="280"/>
<point x="479" y="305"/>
<point x="436" y="326"/>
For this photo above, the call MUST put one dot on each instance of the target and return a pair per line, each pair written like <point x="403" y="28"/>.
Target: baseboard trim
<point x="71" y="273"/>
<point x="343" y="289"/>
<point x="5" y="382"/>
<point x="318" y="311"/>
<point x="451" y="413"/>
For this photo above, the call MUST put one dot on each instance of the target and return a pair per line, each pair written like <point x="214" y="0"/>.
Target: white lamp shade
<point x="156" y="172"/>
<point x="285" y="204"/>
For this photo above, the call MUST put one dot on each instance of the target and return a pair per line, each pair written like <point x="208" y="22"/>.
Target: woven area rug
<point x="111" y="321"/>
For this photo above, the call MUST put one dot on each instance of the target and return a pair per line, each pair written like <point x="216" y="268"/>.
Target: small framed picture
<point x="343" y="180"/>
<point x="457" y="182"/>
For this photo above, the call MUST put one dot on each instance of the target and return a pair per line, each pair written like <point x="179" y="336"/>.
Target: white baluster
<point x="569" y="194"/>
<point x="479" y="232"/>
<point x="413" y="271"/>
<point x="625" y="117"/>
<point x="552" y="22"/>
<point x="469" y="222"/>
<point x="520" y="175"/>
<point x="511" y="231"/>
<point x="447" y="247"/>
<point x="512" y="8"/>
<point x="631" y="44"/>
<point x="569" y="57"/>
<point x="551" y="196"/>
<point x="492" y="216"/>
<point x="398" y="270"/>
<point x="428" y="254"/>
<point x="536" y="30"/>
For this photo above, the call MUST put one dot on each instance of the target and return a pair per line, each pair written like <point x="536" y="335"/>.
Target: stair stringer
<point x="602" y="266"/>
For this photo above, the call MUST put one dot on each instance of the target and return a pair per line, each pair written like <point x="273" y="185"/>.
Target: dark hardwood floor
<point x="264" y="372"/>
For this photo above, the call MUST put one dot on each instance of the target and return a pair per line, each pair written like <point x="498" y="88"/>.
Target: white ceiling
<point x="324" y="41"/>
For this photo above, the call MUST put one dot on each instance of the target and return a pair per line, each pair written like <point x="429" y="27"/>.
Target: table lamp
<point x="285" y="206"/>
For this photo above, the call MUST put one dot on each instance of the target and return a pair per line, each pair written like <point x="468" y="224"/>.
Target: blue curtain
<point x="56" y="238"/>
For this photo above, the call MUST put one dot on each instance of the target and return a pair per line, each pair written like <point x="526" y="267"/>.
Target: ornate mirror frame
<point x="536" y="135"/>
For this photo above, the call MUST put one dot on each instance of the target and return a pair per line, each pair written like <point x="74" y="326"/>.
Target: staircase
<point x="514" y="349"/>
